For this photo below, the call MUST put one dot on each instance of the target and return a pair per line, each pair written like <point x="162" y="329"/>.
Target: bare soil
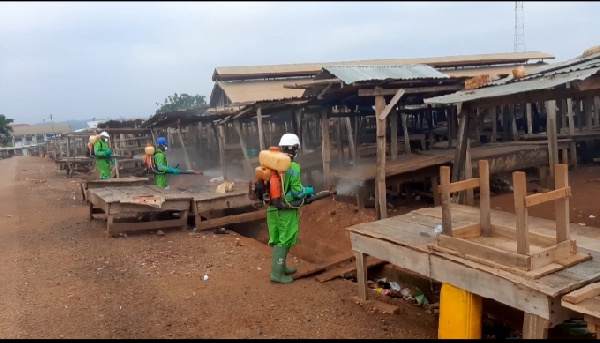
<point x="62" y="279"/>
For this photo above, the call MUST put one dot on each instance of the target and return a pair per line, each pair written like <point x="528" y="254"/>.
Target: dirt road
<point x="62" y="279"/>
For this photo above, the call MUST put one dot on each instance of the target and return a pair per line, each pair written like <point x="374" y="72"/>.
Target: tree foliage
<point x="5" y="128"/>
<point x="181" y="102"/>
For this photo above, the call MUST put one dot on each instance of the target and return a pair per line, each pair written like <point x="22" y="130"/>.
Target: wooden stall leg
<point x="361" y="274"/>
<point x="91" y="211"/>
<point x="437" y="200"/>
<point x="535" y="327"/>
<point x="109" y="223"/>
<point x="361" y="194"/>
<point x="183" y="217"/>
<point x="565" y="156"/>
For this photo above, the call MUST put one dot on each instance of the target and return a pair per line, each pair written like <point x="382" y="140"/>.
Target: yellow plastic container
<point x="274" y="159"/>
<point x="262" y="173"/>
<point x="93" y="138"/>
<point x="149" y="150"/>
<point x="460" y="314"/>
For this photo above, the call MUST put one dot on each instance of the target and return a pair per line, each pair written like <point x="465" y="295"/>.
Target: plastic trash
<point x="592" y="216"/>
<point x="205" y="277"/>
<point x="395" y="286"/>
<point x="406" y="293"/>
<point x="438" y="229"/>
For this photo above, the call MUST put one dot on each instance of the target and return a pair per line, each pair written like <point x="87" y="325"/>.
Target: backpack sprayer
<point x="268" y="182"/>
<point x="150" y="164"/>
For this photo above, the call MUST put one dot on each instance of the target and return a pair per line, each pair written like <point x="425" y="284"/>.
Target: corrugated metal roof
<point x="351" y="74"/>
<point x="549" y="77"/>
<point x="260" y="90"/>
<point x="240" y="72"/>
<point x="40" y="129"/>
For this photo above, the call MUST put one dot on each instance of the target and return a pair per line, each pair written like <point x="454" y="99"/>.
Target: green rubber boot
<point x="278" y="265"/>
<point x="288" y="270"/>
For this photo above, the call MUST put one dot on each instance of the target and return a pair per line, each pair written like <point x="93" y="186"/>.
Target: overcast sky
<point x="79" y="60"/>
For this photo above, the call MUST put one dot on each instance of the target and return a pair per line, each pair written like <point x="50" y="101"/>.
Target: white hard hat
<point x="289" y="139"/>
<point x="104" y="134"/>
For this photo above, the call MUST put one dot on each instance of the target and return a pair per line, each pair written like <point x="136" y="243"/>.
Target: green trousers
<point x="103" y="166"/>
<point x="283" y="226"/>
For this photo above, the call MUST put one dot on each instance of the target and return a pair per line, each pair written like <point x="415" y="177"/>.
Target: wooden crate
<point x="519" y="251"/>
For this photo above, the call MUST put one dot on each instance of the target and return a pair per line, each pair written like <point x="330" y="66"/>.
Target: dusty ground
<point x="62" y="279"/>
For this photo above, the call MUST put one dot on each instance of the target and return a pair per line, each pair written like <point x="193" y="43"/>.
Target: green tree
<point x="5" y="128"/>
<point x="181" y="102"/>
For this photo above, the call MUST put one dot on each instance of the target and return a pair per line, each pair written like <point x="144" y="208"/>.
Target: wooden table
<point x="403" y="169"/>
<point x="403" y="240"/>
<point x="586" y="301"/>
<point x="207" y="201"/>
<point x="113" y="182"/>
<point x="119" y="201"/>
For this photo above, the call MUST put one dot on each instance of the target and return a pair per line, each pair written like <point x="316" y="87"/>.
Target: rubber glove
<point x="108" y="152"/>
<point x="309" y="191"/>
<point x="172" y="170"/>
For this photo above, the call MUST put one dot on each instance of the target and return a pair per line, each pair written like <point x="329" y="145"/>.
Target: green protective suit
<point x="160" y="160"/>
<point x="283" y="224"/>
<point x="103" y="164"/>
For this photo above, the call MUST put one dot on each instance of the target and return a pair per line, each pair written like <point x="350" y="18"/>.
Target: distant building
<point x="26" y="136"/>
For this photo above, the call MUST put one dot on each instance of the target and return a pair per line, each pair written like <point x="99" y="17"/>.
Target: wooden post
<point x="338" y="138"/>
<point x="351" y="141"/>
<point x="185" y="153"/>
<point x="529" y="122"/>
<point x="561" y="180"/>
<point x="221" y="141"/>
<point x="445" y="185"/>
<point x="325" y="148"/>
<point x="361" y="274"/>
<point x="69" y="169"/>
<point x="572" y="143"/>
<point x="435" y="188"/>
<point x="357" y="122"/>
<point x="259" y="123"/>
<point x="451" y="127"/>
<point x="470" y="199"/>
<point x="535" y="327"/>
<point x="597" y="110"/>
<point x="589" y="114"/>
<point x="484" y="198"/>
<point x="394" y="133"/>
<point x="380" y="189"/>
<point x="461" y="147"/>
<point x="551" y="135"/>
<point x="247" y="163"/>
<point x="513" y="122"/>
<point x="478" y="128"/>
<point x="495" y="123"/>
<point x="298" y="119"/>
<point x="520" y="192"/>
<point x="406" y="136"/>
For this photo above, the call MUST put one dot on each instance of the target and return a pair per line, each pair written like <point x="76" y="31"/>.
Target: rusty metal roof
<point x="549" y="77"/>
<point x="284" y="70"/>
<point x="352" y="74"/>
<point x="240" y="92"/>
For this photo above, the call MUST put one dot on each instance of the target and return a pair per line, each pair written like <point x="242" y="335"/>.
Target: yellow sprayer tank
<point x="262" y="173"/>
<point x="149" y="150"/>
<point x="93" y="138"/>
<point x="274" y="159"/>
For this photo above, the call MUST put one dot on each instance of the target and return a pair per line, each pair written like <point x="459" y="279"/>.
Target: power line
<point x="519" y="27"/>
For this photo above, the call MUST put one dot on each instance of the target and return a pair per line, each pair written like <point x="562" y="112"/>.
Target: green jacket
<point x="292" y="186"/>
<point x="160" y="160"/>
<point x="103" y="164"/>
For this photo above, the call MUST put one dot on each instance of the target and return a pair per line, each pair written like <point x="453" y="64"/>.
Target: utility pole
<point x="519" y="27"/>
<point x="53" y="133"/>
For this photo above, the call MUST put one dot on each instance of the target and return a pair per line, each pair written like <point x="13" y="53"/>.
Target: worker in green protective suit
<point x="283" y="223"/>
<point x="160" y="161"/>
<point x="101" y="149"/>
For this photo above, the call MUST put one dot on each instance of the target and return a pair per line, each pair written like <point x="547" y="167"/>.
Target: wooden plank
<point x="470" y="198"/>
<point x="445" y="187"/>
<point x="552" y="135"/>
<point x="588" y="291"/>
<point x="369" y="262"/>
<point x="539" y="198"/>
<point x="597" y="110"/>
<point x="435" y="188"/>
<point x="484" y="199"/>
<point x="391" y="105"/>
<point x="351" y="142"/>
<point x="462" y="185"/>
<point x="319" y="267"/>
<point x="520" y="192"/>
<point x="232" y="219"/>
<point x="553" y="253"/>
<point x="378" y="305"/>
<point x="561" y="206"/>
<point x="503" y="257"/>
<point x="529" y="120"/>
<point x="387" y="92"/>
<point x="116" y="228"/>
<point x="534" y="237"/>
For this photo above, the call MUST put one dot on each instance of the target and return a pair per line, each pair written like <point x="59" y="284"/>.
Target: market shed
<point x="573" y="84"/>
